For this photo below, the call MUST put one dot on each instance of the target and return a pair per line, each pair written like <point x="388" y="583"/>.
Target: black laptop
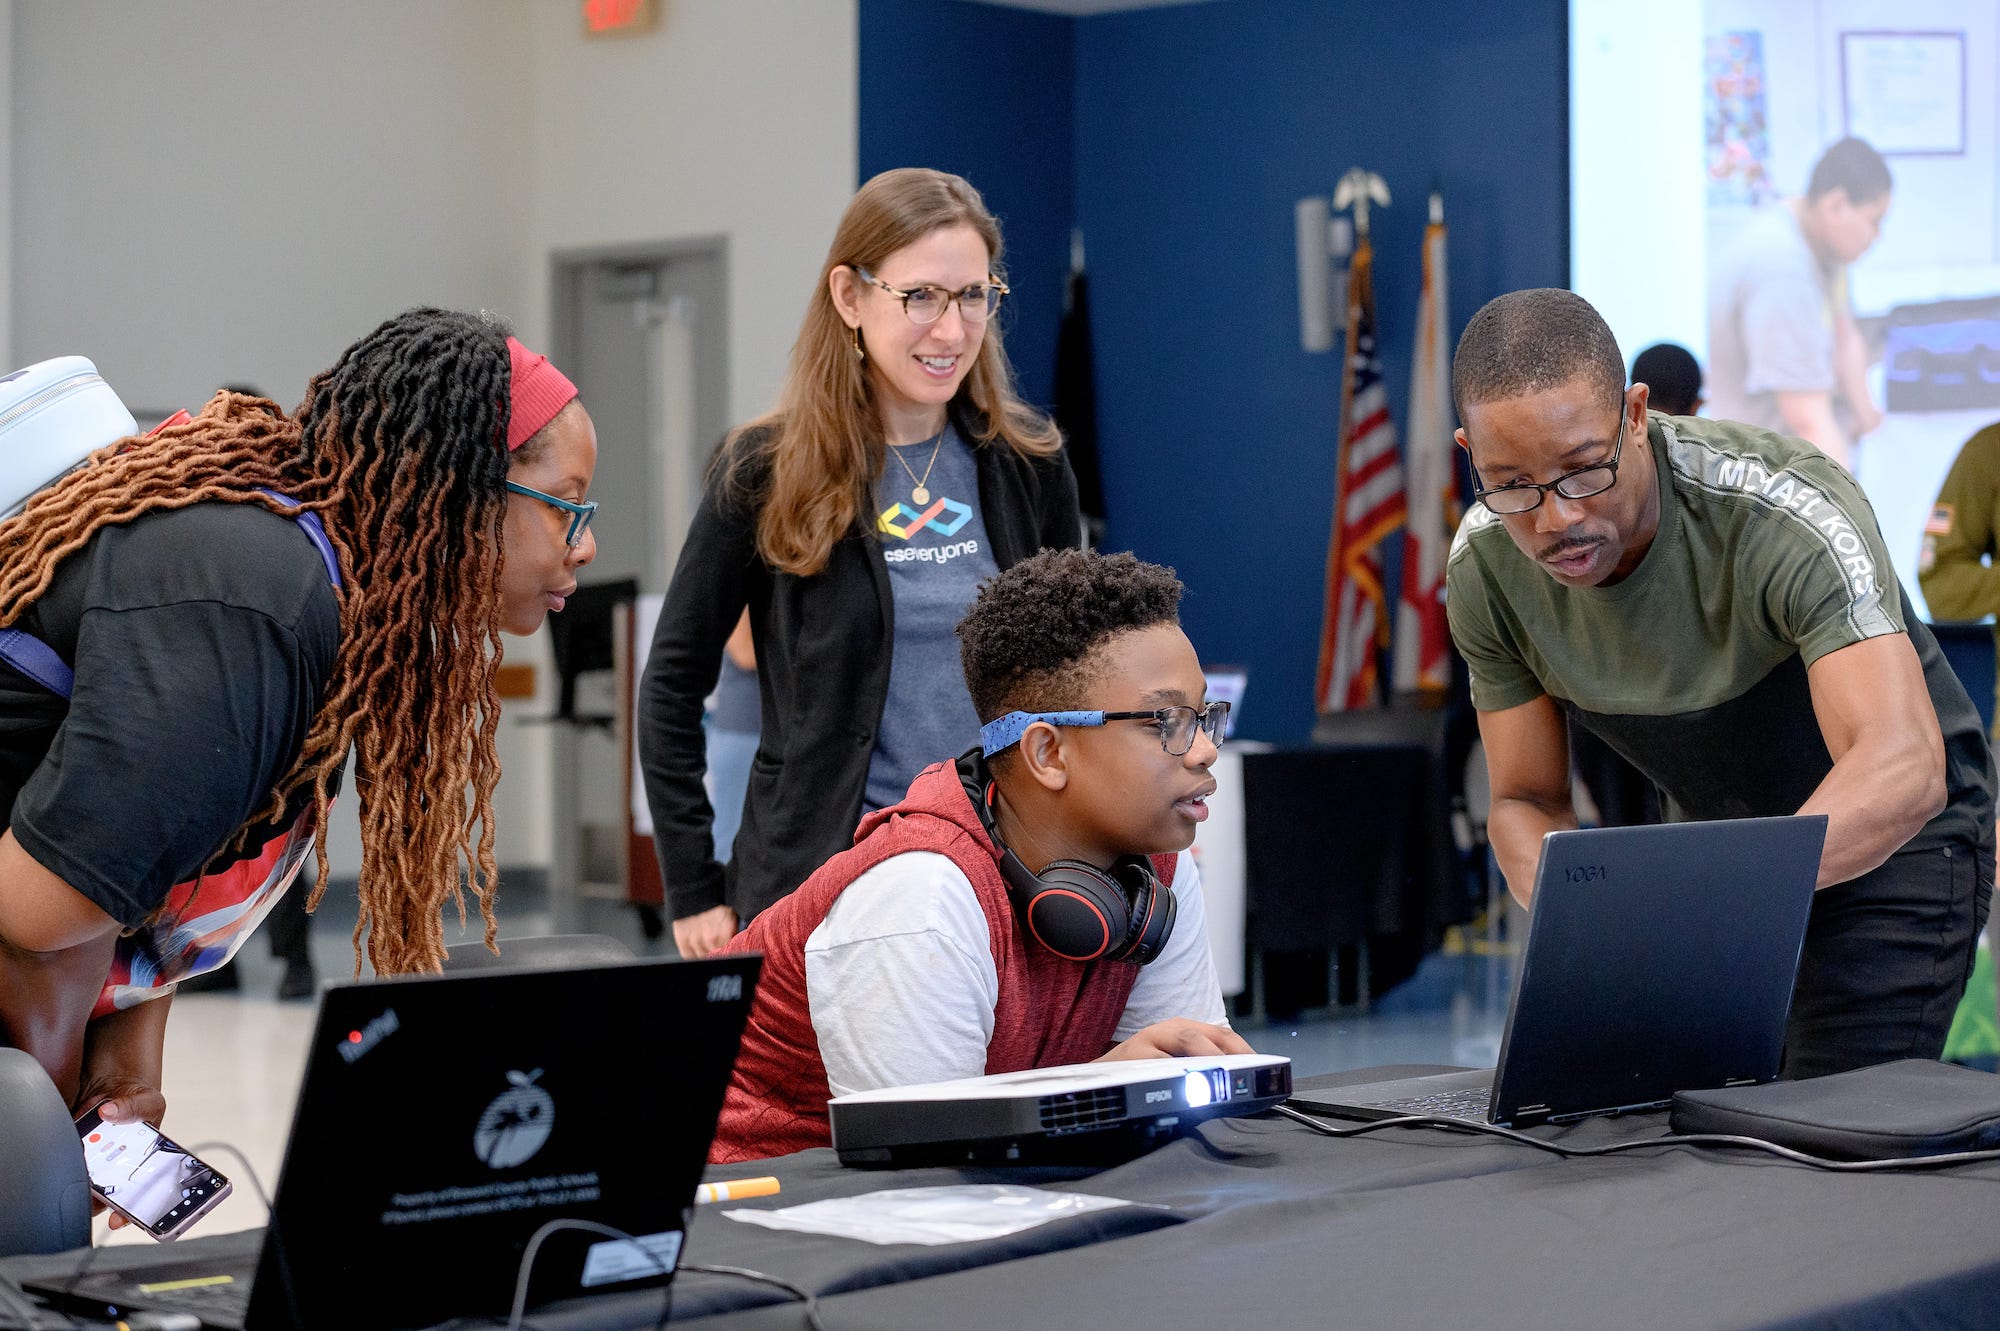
<point x="442" y="1121"/>
<point x="1659" y="959"/>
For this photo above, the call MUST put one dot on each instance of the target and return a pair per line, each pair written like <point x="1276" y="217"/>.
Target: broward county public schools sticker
<point x="517" y="1124"/>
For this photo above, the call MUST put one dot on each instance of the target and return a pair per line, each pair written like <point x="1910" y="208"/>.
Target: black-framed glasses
<point x="579" y="514"/>
<point x="1178" y="725"/>
<point x="1527" y="496"/>
<point x="927" y="304"/>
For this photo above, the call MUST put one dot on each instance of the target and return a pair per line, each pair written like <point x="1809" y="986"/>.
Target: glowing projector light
<point x="1198" y="1091"/>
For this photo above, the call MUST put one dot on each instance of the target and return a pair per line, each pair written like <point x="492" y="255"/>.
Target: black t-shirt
<point x="202" y="640"/>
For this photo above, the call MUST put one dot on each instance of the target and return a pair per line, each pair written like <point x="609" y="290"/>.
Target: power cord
<point x="1671" y="1139"/>
<point x="799" y="1292"/>
<point x="515" y="1317"/>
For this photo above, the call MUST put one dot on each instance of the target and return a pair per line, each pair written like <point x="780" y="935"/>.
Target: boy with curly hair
<point x="1031" y="904"/>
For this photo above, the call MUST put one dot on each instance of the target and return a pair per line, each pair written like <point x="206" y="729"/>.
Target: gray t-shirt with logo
<point x="938" y="554"/>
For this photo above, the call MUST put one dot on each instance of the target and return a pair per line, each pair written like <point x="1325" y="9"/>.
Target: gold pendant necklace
<point x="919" y="488"/>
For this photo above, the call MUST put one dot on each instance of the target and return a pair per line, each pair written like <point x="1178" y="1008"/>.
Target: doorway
<point x="643" y="332"/>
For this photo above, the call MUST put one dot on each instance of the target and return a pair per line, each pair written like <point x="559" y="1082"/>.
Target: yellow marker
<point x="737" y="1189"/>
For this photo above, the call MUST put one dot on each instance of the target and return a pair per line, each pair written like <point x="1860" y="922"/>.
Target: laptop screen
<point x="443" y="1120"/>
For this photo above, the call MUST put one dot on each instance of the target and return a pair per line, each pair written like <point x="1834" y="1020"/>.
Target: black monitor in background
<point x="583" y="637"/>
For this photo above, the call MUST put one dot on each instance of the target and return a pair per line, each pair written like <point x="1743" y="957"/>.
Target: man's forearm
<point x="1874" y="805"/>
<point x="1516" y="828"/>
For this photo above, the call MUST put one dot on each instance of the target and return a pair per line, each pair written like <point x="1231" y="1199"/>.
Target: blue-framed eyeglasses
<point x="1177" y="725"/>
<point x="579" y="514"/>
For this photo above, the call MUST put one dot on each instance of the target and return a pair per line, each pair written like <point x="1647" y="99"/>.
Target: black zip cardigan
<point x="823" y="646"/>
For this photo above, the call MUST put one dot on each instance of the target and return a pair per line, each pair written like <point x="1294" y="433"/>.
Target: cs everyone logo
<point x="902" y="521"/>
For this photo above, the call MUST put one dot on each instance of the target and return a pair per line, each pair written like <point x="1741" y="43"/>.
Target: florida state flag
<point x="1423" y="639"/>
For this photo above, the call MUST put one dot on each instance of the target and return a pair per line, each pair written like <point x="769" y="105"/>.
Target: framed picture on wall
<point x="1904" y="92"/>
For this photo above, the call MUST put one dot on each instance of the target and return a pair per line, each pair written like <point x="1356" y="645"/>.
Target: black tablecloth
<point x="1423" y="1228"/>
<point x="1261" y="1223"/>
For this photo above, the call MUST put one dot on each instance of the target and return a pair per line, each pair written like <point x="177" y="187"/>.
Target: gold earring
<point x="860" y="353"/>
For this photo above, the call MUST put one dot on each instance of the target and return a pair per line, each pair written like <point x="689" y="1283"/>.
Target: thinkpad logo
<point x="357" y="1043"/>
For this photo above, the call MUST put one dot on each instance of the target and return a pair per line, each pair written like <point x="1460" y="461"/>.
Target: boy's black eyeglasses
<point x="1526" y="496"/>
<point x="1177" y="725"/>
<point x="579" y="514"/>
<point x="927" y="304"/>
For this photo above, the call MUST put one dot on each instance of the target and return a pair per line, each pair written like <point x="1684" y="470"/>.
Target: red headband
<point x="539" y="391"/>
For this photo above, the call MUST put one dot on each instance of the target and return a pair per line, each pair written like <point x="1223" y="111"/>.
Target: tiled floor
<point x="234" y="1059"/>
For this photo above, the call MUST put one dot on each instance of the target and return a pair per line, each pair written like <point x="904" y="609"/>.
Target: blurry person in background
<point x="1961" y="539"/>
<point x="1784" y="352"/>
<point x="733" y="723"/>
<point x="1674" y="376"/>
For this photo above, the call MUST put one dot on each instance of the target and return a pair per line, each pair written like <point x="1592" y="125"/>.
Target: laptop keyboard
<point x="1468" y="1103"/>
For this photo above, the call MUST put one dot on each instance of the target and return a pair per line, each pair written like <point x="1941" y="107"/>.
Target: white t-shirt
<point x="902" y="986"/>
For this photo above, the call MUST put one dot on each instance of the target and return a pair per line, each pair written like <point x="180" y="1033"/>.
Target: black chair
<point x="546" y="952"/>
<point x="44" y="1191"/>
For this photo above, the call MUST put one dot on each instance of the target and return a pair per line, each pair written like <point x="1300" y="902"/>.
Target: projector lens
<point x="1199" y="1092"/>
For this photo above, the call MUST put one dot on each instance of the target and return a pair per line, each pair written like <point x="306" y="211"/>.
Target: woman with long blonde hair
<point x="854" y="521"/>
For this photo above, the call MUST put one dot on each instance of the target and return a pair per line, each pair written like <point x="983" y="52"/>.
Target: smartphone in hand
<point x="146" y="1177"/>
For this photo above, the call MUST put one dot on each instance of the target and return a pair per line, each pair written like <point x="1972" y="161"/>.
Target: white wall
<point x="232" y="190"/>
<point x="734" y="118"/>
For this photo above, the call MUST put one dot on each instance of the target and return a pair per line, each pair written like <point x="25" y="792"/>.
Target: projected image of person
<point x="1715" y="601"/>
<point x="1783" y="347"/>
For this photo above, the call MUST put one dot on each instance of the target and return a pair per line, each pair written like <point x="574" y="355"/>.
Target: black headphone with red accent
<point x="1074" y="909"/>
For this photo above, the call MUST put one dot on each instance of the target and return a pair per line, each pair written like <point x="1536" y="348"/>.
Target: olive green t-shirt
<point x="1962" y="538"/>
<point x="1693" y="667"/>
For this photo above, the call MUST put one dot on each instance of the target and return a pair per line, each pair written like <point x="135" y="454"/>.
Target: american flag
<point x="1368" y="507"/>
<point x="1423" y="640"/>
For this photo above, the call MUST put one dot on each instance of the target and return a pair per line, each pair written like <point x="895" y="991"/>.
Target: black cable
<point x="273" y="1234"/>
<point x="799" y="1292"/>
<point x="520" y="1308"/>
<point x="1671" y="1139"/>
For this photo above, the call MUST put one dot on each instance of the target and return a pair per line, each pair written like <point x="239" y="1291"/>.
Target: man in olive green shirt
<point x="1714" y="601"/>
<point x="1962" y="534"/>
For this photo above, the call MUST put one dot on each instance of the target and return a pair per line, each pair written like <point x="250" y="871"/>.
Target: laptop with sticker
<point x="442" y="1121"/>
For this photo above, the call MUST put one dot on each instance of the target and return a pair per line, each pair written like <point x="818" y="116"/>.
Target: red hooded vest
<point x="1051" y="1011"/>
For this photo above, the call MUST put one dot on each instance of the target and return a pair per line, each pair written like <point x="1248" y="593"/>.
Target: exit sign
<point x="618" y="18"/>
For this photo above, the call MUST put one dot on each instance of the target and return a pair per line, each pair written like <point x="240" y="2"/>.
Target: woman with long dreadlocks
<point x="229" y="653"/>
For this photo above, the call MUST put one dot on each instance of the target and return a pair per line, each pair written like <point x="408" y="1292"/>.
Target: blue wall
<point x="1188" y="132"/>
<point x="985" y="92"/>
